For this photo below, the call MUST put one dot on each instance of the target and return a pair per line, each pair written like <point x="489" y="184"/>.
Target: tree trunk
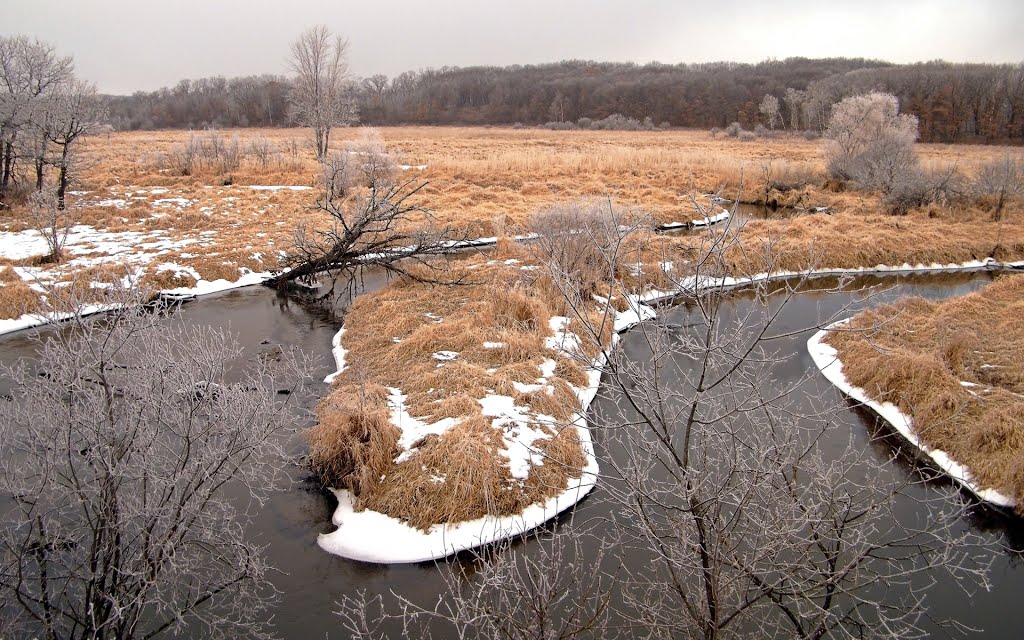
<point x="62" y="182"/>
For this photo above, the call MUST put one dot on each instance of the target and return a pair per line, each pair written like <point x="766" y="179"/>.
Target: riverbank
<point x="947" y="375"/>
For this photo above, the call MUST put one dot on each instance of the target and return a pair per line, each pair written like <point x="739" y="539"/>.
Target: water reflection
<point x="311" y="581"/>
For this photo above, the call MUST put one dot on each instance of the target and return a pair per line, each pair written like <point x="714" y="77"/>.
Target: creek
<point x="312" y="581"/>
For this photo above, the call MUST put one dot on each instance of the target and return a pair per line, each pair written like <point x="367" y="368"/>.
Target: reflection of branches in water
<point x="1003" y="523"/>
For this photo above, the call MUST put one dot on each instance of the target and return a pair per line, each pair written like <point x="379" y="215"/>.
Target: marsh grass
<point x="496" y="323"/>
<point x="917" y="354"/>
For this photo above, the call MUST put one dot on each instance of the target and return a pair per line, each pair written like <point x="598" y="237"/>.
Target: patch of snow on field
<point x="171" y="202"/>
<point x="413" y="430"/>
<point x="110" y="202"/>
<point x="826" y="358"/>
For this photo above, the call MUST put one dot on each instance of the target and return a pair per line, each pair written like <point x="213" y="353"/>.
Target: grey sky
<point x="127" y="45"/>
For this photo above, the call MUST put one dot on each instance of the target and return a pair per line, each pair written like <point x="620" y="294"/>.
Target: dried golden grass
<point x="475" y="479"/>
<point x="396" y="333"/>
<point x="353" y="443"/>
<point x="916" y="354"/>
<point x="17" y="299"/>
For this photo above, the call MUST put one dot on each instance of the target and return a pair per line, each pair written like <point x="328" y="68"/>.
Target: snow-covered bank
<point x="693" y="284"/>
<point x="827" y="360"/>
<point x="372" y="536"/>
<point x="699" y="223"/>
<point x="203" y="287"/>
<point x="375" y="537"/>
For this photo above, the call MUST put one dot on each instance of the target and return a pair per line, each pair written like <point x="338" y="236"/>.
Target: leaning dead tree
<point x="373" y="219"/>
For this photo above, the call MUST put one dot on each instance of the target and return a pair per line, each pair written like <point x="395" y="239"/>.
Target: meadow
<point x="179" y="206"/>
<point x="176" y="209"/>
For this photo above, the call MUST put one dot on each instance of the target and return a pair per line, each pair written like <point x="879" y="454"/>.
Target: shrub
<point x="747" y="136"/>
<point x="584" y="123"/>
<point x="560" y="126"/>
<point x="999" y="180"/>
<point x="617" y="122"/>
<point x="870" y="143"/>
<point x="733" y="129"/>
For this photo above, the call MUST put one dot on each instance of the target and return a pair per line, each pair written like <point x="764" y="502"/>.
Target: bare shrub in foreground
<point x="544" y="588"/>
<point x="736" y="518"/>
<point x="574" y="240"/>
<point x="121" y="445"/>
<point x="52" y="221"/>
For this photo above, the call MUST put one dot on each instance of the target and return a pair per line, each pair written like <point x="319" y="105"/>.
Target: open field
<point x="954" y="366"/>
<point x="457" y="363"/>
<point x="137" y="207"/>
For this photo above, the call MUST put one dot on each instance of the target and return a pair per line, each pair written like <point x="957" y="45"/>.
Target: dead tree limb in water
<point x="375" y="221"/>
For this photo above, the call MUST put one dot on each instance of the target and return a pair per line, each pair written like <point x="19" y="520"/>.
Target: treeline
<point x="954" y="102"/>
<point x="251" y="101"/>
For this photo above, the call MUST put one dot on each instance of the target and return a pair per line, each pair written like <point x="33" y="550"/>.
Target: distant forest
<point x="954" y="102"/>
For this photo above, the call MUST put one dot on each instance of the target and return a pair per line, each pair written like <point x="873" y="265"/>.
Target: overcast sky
<point x="129" y="45"/>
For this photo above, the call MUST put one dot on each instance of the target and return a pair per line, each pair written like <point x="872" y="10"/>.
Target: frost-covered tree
<point x="74" y="111"/>
<point x="793" y="99"/>
<point x="321" y="97"/>
<point x="870" y="143"/>
<point x="131" y="468"/>
<point x="769" y="108"/>
<point x="30" y="70"/>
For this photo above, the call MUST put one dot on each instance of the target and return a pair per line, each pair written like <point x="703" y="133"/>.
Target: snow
<point x="706" y="221"/>
<point x="693" y="283"/>
<point x="493" y="345"/>
<point x="339" y="356"/>
<point x="710" y="220"/>
<point x="413" y="430"/>
<point x="826" y="359"/>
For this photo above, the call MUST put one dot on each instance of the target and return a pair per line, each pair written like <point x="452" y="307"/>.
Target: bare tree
<point x="1000" y="179"/>
<point x="793" y="98"/>
<point x="373" y="217"/>
<point x="74" y="111"/>
<point x="122" y="444"/>
<point x="737" y="518"/>
<point x="321" y="97"/>
<point x="769" y="108"/>
<point x="29" y="71"/>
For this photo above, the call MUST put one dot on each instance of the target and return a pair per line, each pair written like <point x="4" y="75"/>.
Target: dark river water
<point x="311" y="581"/>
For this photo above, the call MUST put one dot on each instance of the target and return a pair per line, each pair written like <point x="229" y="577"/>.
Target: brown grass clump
<point x="475" y="479"/>
<point x="562" y="453"/>
<point x="400" y="334"/>
<point x="17" y="299"/>
<point x="160" y="280"/>
<point x="955" y="367"/>
<point x="354" y="443"/>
